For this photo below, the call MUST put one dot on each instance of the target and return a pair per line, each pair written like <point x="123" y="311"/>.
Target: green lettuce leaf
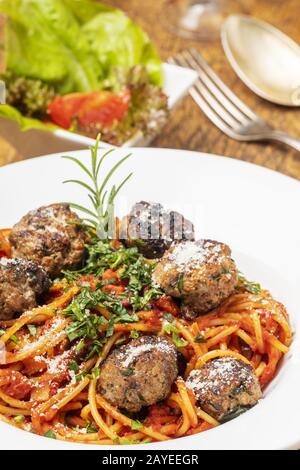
<point x="73" y="45"/>
<point x="44" y="41"/>
<point x="116" y="40"/>
<point x="25" y="123"/>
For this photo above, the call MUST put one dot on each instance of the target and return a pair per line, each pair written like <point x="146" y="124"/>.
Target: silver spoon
<point x="264" y="58"/>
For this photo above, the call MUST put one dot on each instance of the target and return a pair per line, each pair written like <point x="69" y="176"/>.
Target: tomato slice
<point x="103" y="107"/>
<point x="63" y="108"/>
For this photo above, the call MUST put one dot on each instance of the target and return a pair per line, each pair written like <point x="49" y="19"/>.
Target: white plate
<point x="253" y="209"/>
<point x="178" y="80"/>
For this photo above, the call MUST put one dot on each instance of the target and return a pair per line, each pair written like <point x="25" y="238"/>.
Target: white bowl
<point x="33" y="142"/>
<point x="253" y="209"/>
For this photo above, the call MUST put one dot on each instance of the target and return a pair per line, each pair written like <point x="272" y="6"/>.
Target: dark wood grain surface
<point x="188" y="127"/>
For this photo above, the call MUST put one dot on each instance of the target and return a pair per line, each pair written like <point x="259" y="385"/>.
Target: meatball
<point x="152" y="229"/>
<point x="139" y="373"/>
<point x="21" y="283"/>
<point x="225" y="387"/>
<point x="50" y="237"/>
<point x="201" y="273"/>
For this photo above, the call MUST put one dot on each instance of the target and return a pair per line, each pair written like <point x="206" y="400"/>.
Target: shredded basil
<point x="136" y="425"/>
<point x="50" y="434"/>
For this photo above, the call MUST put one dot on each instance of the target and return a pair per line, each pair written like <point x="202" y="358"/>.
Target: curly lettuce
<point x="70" y="46"/>
<point x="74" y="45"/>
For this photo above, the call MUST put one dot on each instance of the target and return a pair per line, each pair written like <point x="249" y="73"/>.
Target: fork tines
<point x="217" y="101"/>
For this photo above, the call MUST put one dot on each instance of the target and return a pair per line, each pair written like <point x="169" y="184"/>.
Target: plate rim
<point x="185" y="442"/>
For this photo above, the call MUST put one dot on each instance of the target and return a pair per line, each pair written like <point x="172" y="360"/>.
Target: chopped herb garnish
<point x="73" y="366"/>
<point x="81" y="375"/>
<point x="128" y="372"/>
<point x="32" y="329"/>
<point x="125" y="318"/>
<point x="168" y="317"/>
<point x="95" y="372"/>
<point x="199" y="339"/>
<point x="170" y="329"/>
<point x="91" y="428"/>
<point x="80" y="346"/>
<point x="134" y="334"/>
<point x="50" y="434"/>
<point x="217" y="277"/>
<point x="180" y="283"/>
<point x="14" y="339"/>
<point x="179" y="342"/>
<point x="19" y="418"/>
<point x="128" y="442"/>
<point x="136" y="425"/>
<point x="252" y="287"/>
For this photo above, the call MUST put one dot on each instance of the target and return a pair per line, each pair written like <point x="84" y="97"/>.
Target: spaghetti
<point x="44" y="390"/>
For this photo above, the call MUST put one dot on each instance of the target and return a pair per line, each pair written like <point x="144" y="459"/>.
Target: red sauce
<point x="167" y="304"/>
<point x="16" y="385"/>
<point x="89" y="279"/>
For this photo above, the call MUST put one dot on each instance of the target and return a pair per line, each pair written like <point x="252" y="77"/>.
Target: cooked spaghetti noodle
<point x="44" y="390"/>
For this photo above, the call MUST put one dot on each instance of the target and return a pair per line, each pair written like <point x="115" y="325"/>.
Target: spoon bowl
<point x="264" y="58"/>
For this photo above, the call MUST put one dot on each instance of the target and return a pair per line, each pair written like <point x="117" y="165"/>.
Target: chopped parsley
<point x="50" y="434"/>
<point x="128" y="372"/>
<point x="85" y="325"/>
<point x="199" y="339"/>
<point x="73" y="366"/>
<point x="81" y="375"/>
<point x="95" y="372"/>
<point x="14" y="339"/>
<point x="180" y="283"/>
<point x="217" y="277"/>
<point x="134" y="334"/>
<point x="252" y="287"/>
<point x="88" y="328"/>
<point x="170" y="329"/>
<point x="19" y="419"/>
<point x="168" y="317"/>
<point x="91" y="428"/>
<point x="136" y="425"/>
<point x="32" y="329"/>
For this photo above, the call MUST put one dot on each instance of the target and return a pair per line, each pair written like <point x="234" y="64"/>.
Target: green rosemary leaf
<point x="92" y="222"/>
<point x="81" y="208"/>
<point x="79" y="163"/>
<point x="123" y="183"/>
<point x="103" y="219"/>
<point x="111" y="172"/>
<point x="81" y="183"/>
<point x="93" y="201"/>
<point x="101" y="161"/>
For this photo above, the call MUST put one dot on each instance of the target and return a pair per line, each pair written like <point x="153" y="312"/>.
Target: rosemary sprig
<point x="101" y="217"/>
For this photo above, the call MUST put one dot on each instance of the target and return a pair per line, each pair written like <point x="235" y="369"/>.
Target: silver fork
<point x="224" y="108"/>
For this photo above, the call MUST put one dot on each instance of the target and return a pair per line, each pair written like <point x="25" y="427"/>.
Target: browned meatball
<point x="49" y="237"/>
<point x="21" y="283"/>
<point x="139" y="373"/>
<point x="201" y="273"/>
<point x="225" y="387"/>
<point x="152" y="229"/>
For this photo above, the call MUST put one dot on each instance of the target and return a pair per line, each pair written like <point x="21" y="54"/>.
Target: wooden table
<point x="188" y="127"/>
